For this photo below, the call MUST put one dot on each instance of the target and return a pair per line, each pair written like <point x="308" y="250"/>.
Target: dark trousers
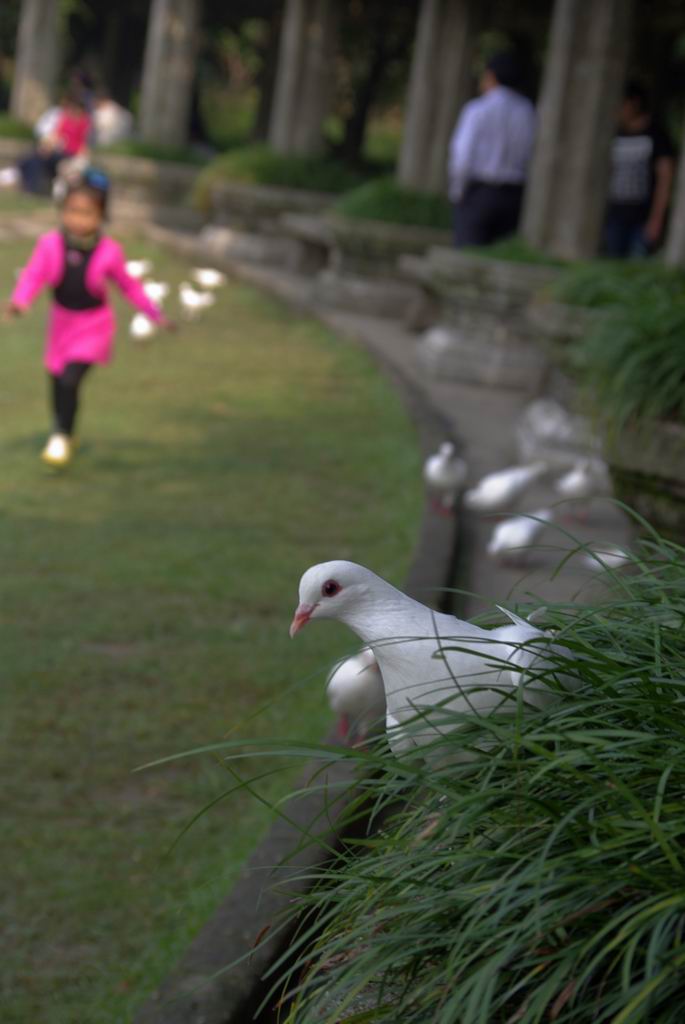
<point x="37" y="171"/>
<point x="65" y="394"/>
<point x="486" y="212"/>
<point x="623" y="234"/>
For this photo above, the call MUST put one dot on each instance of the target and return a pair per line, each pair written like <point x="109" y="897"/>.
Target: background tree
<point x="375" y="48"/>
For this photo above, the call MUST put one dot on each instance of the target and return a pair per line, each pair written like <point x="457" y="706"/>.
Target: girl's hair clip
<point x="97" y="180"/>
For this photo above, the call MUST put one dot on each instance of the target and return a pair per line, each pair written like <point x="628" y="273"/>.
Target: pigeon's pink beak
<point x="301" y="618"/>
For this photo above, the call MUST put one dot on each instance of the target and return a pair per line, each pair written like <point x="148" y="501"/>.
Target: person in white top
<point x="489" y="153"/>
<point x="112" y="123"/>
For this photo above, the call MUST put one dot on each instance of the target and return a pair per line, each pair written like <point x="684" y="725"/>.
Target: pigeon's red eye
<point x="330" y="588"/>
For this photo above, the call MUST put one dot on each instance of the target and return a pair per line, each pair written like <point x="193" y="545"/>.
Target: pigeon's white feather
<point x="208" y="277"/>
<point x="515" y="619"/>
<point x="499" y="490"/>
<point x="138" y="268"/>
<point x="512" y="538"/>
<point x="192" y="301"/>
<point x="587" y="478"/>
<point x="427" y="658"/>
<point x="141" y="327"/>
<point x="156" y="291"/>
<point x="537" y="615"/>
<point x="355" y="689"/>
<point x="444" y="472"/>
<point x="608" y="556"/>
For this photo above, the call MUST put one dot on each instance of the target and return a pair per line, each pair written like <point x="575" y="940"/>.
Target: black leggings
<point x="65" y="388"/>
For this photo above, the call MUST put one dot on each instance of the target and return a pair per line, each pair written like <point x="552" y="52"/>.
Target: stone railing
<point x="496" y="320"/>
<point x="259" y="208"/>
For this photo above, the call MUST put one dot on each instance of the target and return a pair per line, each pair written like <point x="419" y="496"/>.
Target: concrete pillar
<point x="37" y="59"/>
<point x="584" y="71"/>
<point x="305" y="76"/>
<point x="438" y="87"/>
<point x="674" y="249"/>
<point x="168" y="71"/>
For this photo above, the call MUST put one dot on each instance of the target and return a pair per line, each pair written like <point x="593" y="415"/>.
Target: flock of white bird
<point x="193" y="298"/>
<point x="396" y="674"/>
<point x="513" y="537"/>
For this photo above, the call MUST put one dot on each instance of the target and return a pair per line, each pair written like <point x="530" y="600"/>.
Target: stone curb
<point x="198" y="990"/>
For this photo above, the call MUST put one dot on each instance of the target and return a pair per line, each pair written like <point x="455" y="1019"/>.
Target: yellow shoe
<point x="57" y="451"/>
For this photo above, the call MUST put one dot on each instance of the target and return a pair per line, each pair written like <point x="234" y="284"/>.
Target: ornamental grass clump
<point x="528" y="866"/>
<point x="632" y="359"/>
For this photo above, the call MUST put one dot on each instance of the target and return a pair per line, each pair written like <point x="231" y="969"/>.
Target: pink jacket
<point x="83" y="335"/>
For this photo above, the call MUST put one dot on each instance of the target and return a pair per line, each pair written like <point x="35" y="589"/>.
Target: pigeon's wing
<point x="400" y="739"/>
<point x="513" y="617"/>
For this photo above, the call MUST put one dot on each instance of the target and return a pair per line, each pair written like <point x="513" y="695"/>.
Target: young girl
<point x="77" y="262"/>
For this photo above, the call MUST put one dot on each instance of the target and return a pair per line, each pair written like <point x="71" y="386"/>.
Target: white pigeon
<point x="156" y="291"/>
<point x="208" y="277"/>
<point x="428" y="658"/>
<point x="444" y="473"/>
<point x="355" y="692"/>
<point x="192" y="301"/>
<point x="138" y="268"/>
<point x="142" y="327"/>
<point x="512" y="539"/>
<point x="500" y="490"/>
<point x="608" y="556"/>
<point x="587" y="478"/>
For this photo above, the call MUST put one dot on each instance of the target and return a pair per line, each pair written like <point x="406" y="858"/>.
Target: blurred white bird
<point x="588" y="478"/>
<point x="138" y="268"/>
<point x="444" y="473"/>
<point x="355" y="692"/>
<point x="208" y="277"/>
<point x="142" y="327"/>
<point x="608" y="556"/>
<point x="9" y="177"/>
<point x="512" y="539"/>
<point x="500" y="490"/>
<point x="156" y="291"/>
<point x="192" y="301"/>
<point x="430" y="663"/>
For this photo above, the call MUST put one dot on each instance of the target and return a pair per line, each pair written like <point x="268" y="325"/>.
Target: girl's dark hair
<point x="74" y="97"/>
<point x="634" y="90"/>
<point x="94" y="184"/>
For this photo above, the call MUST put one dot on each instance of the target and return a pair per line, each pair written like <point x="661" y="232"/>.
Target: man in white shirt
<point x="489" y="154"/>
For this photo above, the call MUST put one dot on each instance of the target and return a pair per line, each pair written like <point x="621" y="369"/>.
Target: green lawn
<point x="145" y="596"/>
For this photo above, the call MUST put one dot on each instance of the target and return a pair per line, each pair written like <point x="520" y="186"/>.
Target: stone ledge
<point x="463" y="279"/>
<point x="489" y="272"/>
<point x="143" y="170"/>
<point x="307" y="227"/>
<point x="227" y="243"/>
<point x="377" y="297"/>
<point x="259" y="207"/>
<point x="375" y="248"/>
